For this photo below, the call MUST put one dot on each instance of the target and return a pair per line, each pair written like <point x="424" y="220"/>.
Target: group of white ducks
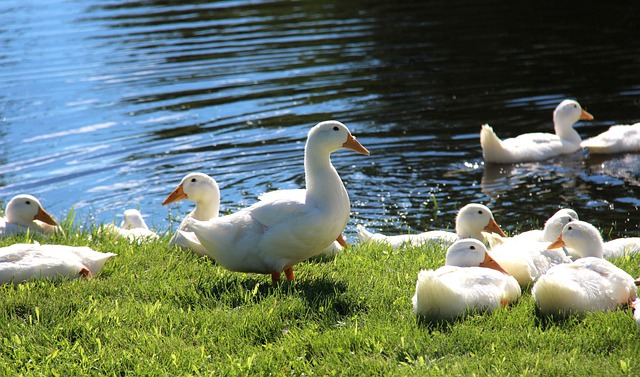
<point x="286" y="227"/>
<point x="282" y="229"/>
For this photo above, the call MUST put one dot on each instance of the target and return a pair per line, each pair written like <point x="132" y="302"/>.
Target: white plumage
<point x="537" y="146"/>
<point x="470" y="280"/>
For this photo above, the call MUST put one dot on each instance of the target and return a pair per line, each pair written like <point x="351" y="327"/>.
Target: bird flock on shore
<point x="566" y="265"/>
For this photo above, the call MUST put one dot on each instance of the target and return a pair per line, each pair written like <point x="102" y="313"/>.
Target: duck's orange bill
<point x="489" y="262"/>
<point x="493" y="227"/>
<point x="177" y="195"/>
<point x="559" y="242"/>
<point x="355" y="145"/>
<point x="341" y="241"/>
<point x="585" y="115"/>
<point x="45" y="217"/>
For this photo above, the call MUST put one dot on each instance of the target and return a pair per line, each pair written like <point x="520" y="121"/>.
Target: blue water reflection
<point x="107" y="104"/>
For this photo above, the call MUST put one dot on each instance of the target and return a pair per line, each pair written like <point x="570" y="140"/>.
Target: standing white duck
<point x="273" y="235"/>
<point x="537" y="146"/>
<point x="617" y="139"/>
<point x="464" y="284"/>
<point x="22" y="262"/>
<point x="133" y="227"/>
<point x="204" y="191"/>
<point x="588" y="284"/>
<point x="25" y="213"/>
<point x="472" y="221"/>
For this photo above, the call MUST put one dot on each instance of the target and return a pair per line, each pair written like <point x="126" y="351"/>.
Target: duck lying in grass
<point x="473" y="221"/>
<point x="273" y="235"/>
<point x="586" y="285"/>
<point x="25" y="213"/>
<point x="133" y="228"/>
<point x="470" y="281"/>
<point x="204" y="191"/>
<point x="23" y="262"/>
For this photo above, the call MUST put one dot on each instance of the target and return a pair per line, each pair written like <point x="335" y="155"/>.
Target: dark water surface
<point x="106" y="105"/>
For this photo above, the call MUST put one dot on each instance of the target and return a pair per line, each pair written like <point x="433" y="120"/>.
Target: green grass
<point x="157" y="310"/>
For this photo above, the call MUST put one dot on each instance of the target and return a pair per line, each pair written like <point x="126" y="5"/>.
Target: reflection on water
<point x="107" y="104"/>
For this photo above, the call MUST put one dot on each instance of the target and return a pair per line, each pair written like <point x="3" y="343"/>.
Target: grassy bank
<point x="156" y="310"/>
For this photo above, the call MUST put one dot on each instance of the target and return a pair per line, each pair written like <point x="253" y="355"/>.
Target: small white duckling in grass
<point x="25" y="213"/>
<point x="473" y="221"/>
<point x="133" y="227"/>
<point x="470" y="280"/>
<point x="587" y="284"/>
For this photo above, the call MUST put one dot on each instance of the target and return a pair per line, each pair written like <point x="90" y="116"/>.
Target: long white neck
<point x="325" y="189"/>
<point x="565" y="131"/>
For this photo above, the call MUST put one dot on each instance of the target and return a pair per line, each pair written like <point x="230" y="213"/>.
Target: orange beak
<point x="45" y="217"/>
<point x="177" y="195"/>
<point x="585" y="115"/>
<point x="559" y="242"/>
<point x="489" y="262"/>
<point x="493" y="227"/>
<point x="355" y="145"/>
<point x="341" y="241"/>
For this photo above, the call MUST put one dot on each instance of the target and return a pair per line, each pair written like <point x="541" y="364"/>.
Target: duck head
<point x="581" y="236"/>
<point x="24" y="209"/>
<point x="473" y="219"/>
<point x="470" y="252"/>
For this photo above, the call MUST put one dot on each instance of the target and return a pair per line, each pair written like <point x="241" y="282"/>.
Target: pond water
<point x="106" y="105"/>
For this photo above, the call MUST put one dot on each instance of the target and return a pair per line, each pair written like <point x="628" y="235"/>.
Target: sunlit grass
<point x="157" y="310"/>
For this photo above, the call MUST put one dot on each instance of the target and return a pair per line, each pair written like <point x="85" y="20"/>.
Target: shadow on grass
<point x="546" y="321"/>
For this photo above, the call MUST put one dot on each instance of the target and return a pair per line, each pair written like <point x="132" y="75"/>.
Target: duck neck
<point x="323" y="184"/>
<point x="593" y="249"/>
<point x="206" y="209"/>
<point x="565" y="131"/>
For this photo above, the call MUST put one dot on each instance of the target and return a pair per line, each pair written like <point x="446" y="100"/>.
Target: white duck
<point x="537" y="146"/>
<point x="552" y="227"/>
<point x="588" y="284"/>
<point x="273" y="235"/>
<point x="464" y="284"/>
<point x="133" y="227"/>
<point x="621" y="247"/>
<point x="25" y="213"/>
<point x="22" y="262"/>
<point x="299" y="194"/>
<point x="204" y="191"/>
<point x="617" y="139"/>
<point x="472" y="221"/>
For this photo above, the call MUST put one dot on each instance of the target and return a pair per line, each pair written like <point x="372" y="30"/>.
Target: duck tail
<point x="363" y="233"/>
<point x="491" y="144"/>
<point x="435" y="299"/>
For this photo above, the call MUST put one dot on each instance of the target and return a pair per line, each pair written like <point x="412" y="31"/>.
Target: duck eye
<point x="28" y="202"/>
<point x="335" y="128"/>
<point x="480" y="212"/>
<point x="569" y="228"/>
<point x="193" y="179"/>
<point x="472" y="247"/>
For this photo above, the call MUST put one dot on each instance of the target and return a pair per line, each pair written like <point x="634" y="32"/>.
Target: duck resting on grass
<point x="23" y="262"/>
<point x="473" y="221"/>
<point x="470" y="280"/>
<point x="273" y="235"/>
<point x="25" y="213"/>
<point x="204" y="191"/>
<point x="588" y="284"/>
<point x="537" y="146"/>
<point x="133" y="228"/>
